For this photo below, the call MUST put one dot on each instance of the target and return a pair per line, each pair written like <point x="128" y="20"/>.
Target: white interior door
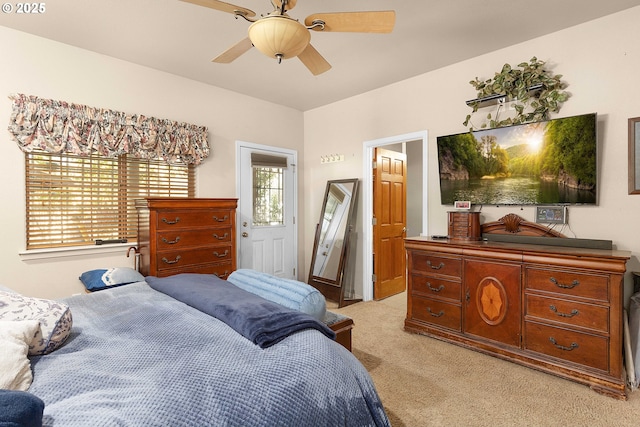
<point x="267" y="209"/>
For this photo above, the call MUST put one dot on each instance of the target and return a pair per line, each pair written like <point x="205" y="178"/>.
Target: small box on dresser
<point x="464" y="225"/>
<point x="186" y="235"/>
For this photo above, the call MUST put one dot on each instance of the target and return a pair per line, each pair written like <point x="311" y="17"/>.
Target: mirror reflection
<point x="331" y="247"/>
<point x="332" y="230"/>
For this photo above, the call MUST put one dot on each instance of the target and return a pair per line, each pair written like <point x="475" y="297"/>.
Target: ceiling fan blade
<point x="290" y="4"/>
<point x="312" y="59"/>
<point x="224" y="7"/>
<point x="233" y="52"/>
<point x="356" y="22"/>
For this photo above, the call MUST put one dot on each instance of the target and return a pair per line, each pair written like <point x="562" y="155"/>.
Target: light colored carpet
<point x="426" y="382"/>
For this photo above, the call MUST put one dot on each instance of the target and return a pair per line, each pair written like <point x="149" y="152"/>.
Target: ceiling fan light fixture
<point x="278" y="36"/>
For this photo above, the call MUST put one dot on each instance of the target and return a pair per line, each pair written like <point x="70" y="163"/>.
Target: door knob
<point x="245" y="234"/>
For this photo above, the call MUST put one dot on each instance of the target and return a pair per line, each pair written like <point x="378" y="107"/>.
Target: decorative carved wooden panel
<point x="492" y="301"/>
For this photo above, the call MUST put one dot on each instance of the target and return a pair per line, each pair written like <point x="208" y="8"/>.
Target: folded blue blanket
<point x="261" y="321"/>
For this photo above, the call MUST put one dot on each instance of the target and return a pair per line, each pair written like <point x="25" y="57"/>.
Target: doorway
<point x="389" y="221"/>
<point x="267" y="207"/>
<point x="416" y="196"/>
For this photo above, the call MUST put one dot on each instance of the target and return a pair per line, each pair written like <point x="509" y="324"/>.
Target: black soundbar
<point x="550" y="241"/>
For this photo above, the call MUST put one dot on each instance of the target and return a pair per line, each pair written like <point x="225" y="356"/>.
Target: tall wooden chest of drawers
<point x="555" y="309"/>
<point x="186" y="235"/>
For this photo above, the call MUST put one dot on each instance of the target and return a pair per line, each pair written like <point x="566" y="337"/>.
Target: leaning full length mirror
<point x="330" y="266"/>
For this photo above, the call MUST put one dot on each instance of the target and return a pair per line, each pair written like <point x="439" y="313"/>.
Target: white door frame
<point x="367" y="201"/>
<point x="273" y="151"/>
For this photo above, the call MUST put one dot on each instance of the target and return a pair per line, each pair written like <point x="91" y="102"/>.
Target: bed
<point x="136" y="356"/>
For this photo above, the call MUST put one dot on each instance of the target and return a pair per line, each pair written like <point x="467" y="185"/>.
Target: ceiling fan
<point x="279" y="36"/>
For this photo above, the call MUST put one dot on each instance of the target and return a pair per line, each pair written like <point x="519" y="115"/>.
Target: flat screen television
<point x="543" y="163"/>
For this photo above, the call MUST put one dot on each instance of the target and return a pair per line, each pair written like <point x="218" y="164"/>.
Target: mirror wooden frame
<point x="335" y="289"/>
<point x="634" y="155"/>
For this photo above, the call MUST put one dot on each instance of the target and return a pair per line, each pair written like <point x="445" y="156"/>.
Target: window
<point x="75" y="201"/>
<point x="268" y="196"/>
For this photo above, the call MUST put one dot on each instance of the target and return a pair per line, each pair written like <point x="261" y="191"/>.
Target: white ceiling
<point x="182" y="38"/>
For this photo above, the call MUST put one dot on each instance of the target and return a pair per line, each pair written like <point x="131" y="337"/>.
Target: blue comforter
<point x="137" y="357"/>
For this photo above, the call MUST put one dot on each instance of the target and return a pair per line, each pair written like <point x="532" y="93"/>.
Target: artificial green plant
<point x="516" y="83"/>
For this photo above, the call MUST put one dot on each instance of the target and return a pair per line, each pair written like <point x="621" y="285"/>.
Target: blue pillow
<point x="95" y="280"/>
<point x="290" y="293"/>
<point x="20" y="409"/>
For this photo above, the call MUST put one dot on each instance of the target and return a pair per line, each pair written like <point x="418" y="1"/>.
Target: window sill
<point x="36" y="254"/>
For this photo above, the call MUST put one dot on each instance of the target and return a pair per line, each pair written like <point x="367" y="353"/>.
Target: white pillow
<point x="15" y="368"/>
<point x="54" y="317"/>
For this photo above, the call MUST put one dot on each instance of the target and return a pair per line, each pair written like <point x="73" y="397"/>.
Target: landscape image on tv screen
<point x="550" y="162"/>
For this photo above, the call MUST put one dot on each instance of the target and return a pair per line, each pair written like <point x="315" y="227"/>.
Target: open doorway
<point x="415" y="146"/>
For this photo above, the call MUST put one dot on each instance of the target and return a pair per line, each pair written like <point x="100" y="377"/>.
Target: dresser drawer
<point x="572" y="313"/>
<point x="188" y="238"/>
<point x="590" y="286"/>
<point x="576" y="347"/>
<point x="436" y="312"/>
<point x="168" y="220"/>
<point x="431" y="286"/>
<point x="181" y="258"/>
<point x="221" y="270"/>
<point x="432" y="264"/>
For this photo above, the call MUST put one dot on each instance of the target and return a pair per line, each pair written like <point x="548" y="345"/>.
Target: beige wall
<point x="40" y="67"/>
<point x="599" y="60"/>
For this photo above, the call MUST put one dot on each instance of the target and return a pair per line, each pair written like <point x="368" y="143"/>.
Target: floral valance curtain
<point x="61" y="127"/>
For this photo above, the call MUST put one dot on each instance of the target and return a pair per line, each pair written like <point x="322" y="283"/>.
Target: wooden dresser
<point x="555" y="309"/>
<point x="186" y="235"/>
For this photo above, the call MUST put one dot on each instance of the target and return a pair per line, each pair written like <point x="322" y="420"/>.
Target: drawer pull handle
<point x="168" y="221"/>
<point x="573" y="345"/>
<point x="555" y="310"/>
<point x="438" y="289"/>
<point x="223" y="219"/>
<point x="221" y="276"/>
<point x="215" y="236"/>
<point x="440" y="314"/>
<point x="562" y="285"/>
<point x="166" y="261"/>
<point x="219" y="255"/>
<point x="435" y="267"/>
<point x="171" y="242"/>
